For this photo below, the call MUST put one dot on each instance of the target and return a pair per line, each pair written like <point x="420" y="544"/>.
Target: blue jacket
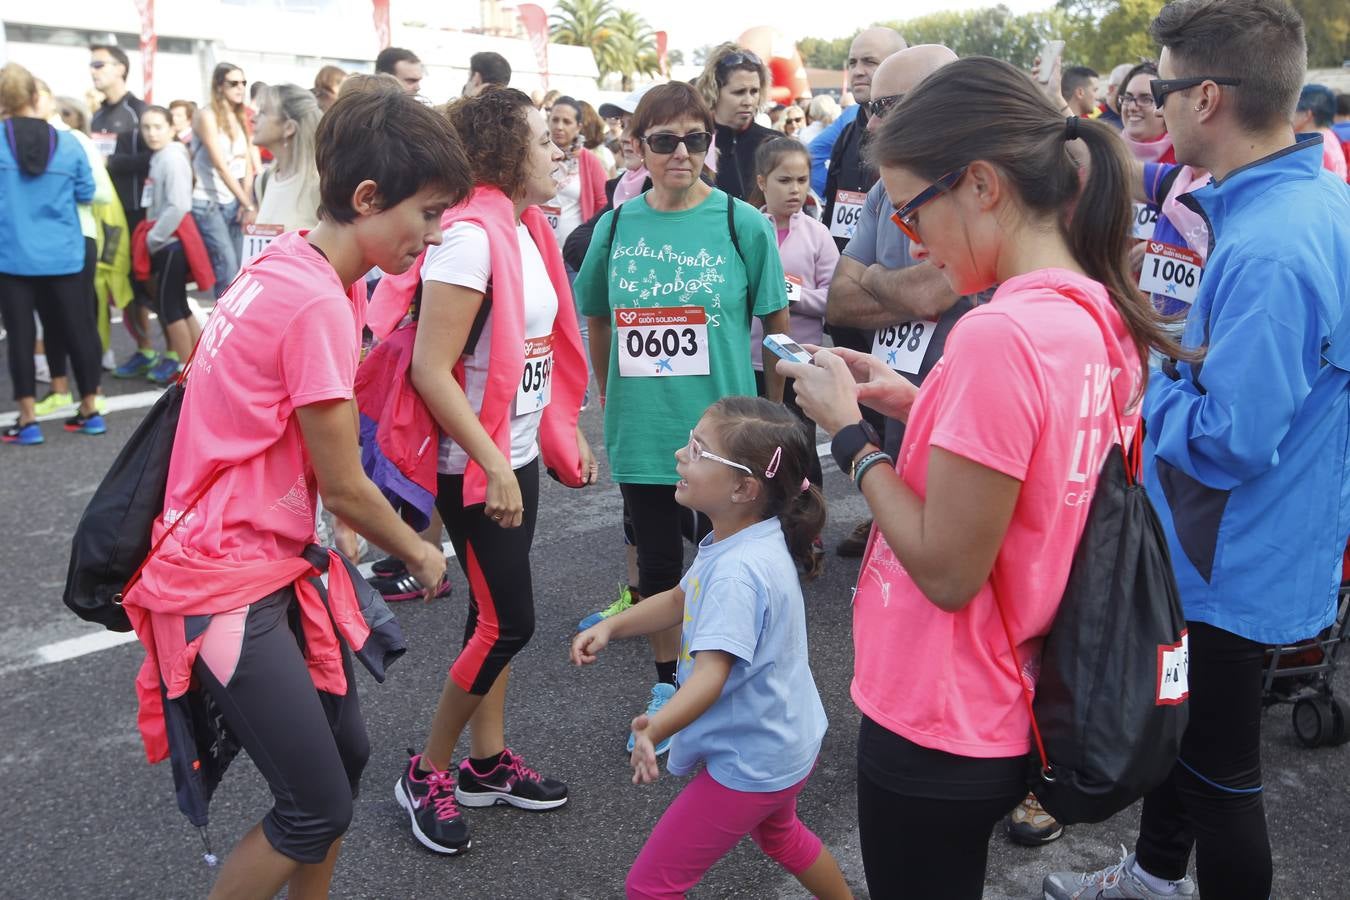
<point x="823" y="144"/>
<point x="39" y="220"/>
<point x="1247" y="452"/>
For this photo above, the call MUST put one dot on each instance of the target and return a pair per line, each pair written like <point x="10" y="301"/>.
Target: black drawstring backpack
<point x="1109" y="707"/>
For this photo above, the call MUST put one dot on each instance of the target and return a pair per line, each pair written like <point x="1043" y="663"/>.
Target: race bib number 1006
<point x="1171" y="271"/>
<point x="662" y="341"/>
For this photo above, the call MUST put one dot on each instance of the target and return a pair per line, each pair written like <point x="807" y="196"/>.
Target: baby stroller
<point x="1301" y="674"/>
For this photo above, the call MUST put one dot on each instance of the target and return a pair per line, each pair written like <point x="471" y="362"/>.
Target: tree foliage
<point x="621" y="41"/>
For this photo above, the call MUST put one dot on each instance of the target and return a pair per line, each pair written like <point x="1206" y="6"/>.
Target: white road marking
<point x="84" y="644"/>
<point x="119" y="403"/>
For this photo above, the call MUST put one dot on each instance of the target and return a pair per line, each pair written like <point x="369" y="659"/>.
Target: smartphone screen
<point x="1050" y="54"/>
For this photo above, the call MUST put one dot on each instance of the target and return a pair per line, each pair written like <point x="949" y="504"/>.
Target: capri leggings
<point x="705" y="822"/>
<point x="309" y="745"/>
<point x="659" y="526"/>
<point x="496" y="561"/>
<point x="54" y="337"/>
<point x="168" y="273"/>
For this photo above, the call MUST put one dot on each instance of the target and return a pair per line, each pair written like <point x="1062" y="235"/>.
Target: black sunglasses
<point x="879" y="106"/>
<point x="739" y="58"/>
<point x="236" y="82"/>
<point x="666" y="142"/>
<point x="1161" y="88"/>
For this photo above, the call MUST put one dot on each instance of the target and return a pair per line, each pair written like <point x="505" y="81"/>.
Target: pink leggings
<point x="705" y="822"/>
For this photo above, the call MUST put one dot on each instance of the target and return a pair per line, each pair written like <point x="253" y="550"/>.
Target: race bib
<point x="1174" y="665"/>
<point x="147" y="192"/>
<point x="554" y="216"/>
<point x="105" y="142"/>
<point x="662" y="341"/>
<point x="903" y="346"/>
<point x="1144" y="221"/>
<point x="848" y="207"/>
<point x="536" y="385"/>
<point x="794" y="288"/>
<point x="1171" y="271"/>
<point x="238" y="167"/>
<point x="257" y="237"/>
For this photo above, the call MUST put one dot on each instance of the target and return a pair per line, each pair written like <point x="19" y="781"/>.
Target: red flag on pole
<point x="535" y="21"/>
<point x="662" y="42"/>
<point x="382" y="36"/>
<point x="149" y="44"/>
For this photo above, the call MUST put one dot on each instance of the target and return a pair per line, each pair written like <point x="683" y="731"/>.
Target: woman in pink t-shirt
<point x="1002" y="449"/>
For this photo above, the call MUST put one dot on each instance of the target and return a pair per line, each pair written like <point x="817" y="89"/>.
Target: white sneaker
<point x="42" y="372"/>
<point x="109" y="361"/>
<point x="1116" y="882"/>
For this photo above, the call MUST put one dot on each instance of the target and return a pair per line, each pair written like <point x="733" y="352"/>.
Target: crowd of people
<point x="995" y="273"/>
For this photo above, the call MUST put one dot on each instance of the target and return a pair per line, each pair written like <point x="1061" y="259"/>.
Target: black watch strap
<point x="851" y="439"/>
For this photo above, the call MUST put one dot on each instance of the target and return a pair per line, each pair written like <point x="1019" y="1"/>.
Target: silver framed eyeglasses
<point x="695" y="450"/>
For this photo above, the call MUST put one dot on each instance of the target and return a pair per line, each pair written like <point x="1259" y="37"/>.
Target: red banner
<point x="535" y="22"/>
<point x="662" y="42"/>
<point x="149" y="44"/>
<point x="382" y="36"/>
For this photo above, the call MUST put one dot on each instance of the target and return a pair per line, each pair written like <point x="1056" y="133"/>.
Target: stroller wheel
<point x="1313" y="720"/>
<point x="1340" y="722"/>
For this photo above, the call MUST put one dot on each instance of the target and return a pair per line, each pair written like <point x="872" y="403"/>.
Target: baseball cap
<point x="625" y="107"/>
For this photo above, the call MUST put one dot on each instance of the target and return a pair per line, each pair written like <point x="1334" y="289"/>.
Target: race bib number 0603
<point x="662" y="341"/>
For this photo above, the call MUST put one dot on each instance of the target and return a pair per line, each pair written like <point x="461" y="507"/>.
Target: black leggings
<point x="168" y="273"/>
<point x="61" y="304"/>
<point x="925" y="817"/>
<point x="1213" y="800"/>
<point x="496" y="562"/>
<point x="659" y="528"/>
<point x="311" y="746"/>
<point x="813" y="471"/>
<point x="54" y="338"/>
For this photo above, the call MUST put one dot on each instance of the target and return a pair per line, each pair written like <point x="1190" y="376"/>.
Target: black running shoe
<point x="390" y="565"/>
<point x="396" y="588"/>
<point x="429" y="799"/>
<point x="511" y="781"/>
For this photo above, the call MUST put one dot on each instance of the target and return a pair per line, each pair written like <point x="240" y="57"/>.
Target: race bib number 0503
<point x="903" y="346"/>
<point x="848" y="208"/>
<point x="1171" y="271"/>
<point x="662" y="341"/>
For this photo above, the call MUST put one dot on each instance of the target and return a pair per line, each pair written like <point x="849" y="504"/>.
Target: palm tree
<point x="581" y="23"/>
<point x="632" y="48"/>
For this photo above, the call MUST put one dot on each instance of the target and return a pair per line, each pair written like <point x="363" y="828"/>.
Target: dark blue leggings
<point x="1213" y="800"/>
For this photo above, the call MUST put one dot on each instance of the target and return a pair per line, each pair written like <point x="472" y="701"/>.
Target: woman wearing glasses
<point x="733" y="84"/>
<point x="1000" y="457"/>
<point x="225" y="164"/>
<point x="669" y="285"/>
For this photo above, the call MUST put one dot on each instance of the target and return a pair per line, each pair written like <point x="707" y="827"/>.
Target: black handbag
<point x="112" y="540"/>
<point x="1109" y="708"/>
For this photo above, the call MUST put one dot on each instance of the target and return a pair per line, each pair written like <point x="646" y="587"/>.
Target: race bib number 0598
<point x="848" y="208"/>
<point x="1171" y="271"/>
<point x="662" y="341"/>
<point x="903" y="346"/>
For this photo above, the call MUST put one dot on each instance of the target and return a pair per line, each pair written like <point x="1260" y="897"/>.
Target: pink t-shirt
<point x="1022" y="389"/>
<point x="285" y="335"/>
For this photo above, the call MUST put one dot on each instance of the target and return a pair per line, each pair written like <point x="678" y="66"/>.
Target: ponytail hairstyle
<point x="770" y="154"/>
<point x="984" y="109"/>
<point x="770" y="440"/>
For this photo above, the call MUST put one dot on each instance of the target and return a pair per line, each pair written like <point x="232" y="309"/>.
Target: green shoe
<point x="51" y="403"/>
<point x="625" y="600"/>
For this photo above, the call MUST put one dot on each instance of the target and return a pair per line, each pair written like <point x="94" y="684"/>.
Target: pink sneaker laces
<point x="522" y="771"/>
<point x="441" y="794"/>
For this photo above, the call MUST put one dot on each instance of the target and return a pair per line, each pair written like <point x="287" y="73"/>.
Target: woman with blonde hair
<point x="326" y="86"/>
<point x="734" y="83"/>
<point x="288" y="192"/>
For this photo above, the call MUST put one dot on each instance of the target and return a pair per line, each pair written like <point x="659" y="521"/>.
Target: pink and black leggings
<point x="705" y="822"/>
<point x="496" y="562"/>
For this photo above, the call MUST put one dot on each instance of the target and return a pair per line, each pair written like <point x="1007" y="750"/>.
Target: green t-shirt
<point x="675" y="260"/>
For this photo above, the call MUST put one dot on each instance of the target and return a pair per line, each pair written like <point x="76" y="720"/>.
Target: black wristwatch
<point x="848" y="441"/>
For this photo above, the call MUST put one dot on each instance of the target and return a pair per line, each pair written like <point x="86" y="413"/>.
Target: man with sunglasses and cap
<point x="1245" y="457"/>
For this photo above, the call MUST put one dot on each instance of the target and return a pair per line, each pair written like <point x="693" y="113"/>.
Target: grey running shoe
<point x="1116" y="882"/>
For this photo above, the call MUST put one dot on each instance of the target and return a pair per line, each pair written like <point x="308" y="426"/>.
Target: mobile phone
<point x="786" y="348"/>
<point x="1051" y="51"/>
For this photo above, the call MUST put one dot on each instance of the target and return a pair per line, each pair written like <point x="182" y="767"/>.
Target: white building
<point x="274" y="41"/>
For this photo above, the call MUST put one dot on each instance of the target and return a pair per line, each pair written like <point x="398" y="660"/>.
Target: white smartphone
<point x="1051" y="52"/>
<point x="786" y="348"/>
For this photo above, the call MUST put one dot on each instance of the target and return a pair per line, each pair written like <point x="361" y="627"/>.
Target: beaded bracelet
<point x="861" y="466"/>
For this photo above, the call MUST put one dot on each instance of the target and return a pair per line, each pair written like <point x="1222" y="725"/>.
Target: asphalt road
<point x="84" y="816"/>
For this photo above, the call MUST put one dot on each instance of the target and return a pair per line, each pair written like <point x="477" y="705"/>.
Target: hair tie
<point x="806" y="485"/>
<point x="772" y="468"/>
<point x="1071" y="128"/>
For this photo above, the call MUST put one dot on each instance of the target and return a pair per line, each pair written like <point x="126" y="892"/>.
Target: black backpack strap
<point x="735" y="242"/>
<point x="613" y="227"/>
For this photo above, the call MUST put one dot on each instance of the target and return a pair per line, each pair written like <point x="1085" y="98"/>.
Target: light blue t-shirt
<point x="742" y="596"/>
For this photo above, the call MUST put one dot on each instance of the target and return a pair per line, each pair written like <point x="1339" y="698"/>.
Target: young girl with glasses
<point x="747" y="710"/>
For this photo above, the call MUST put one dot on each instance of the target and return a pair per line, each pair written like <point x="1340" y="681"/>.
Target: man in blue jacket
<point x="1246" y="449"/>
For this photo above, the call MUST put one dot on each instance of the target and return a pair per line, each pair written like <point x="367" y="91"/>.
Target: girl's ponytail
<point x="774" y="444"/>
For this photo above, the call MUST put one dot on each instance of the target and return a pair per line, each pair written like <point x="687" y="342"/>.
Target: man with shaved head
<point x="847" y="181"/>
